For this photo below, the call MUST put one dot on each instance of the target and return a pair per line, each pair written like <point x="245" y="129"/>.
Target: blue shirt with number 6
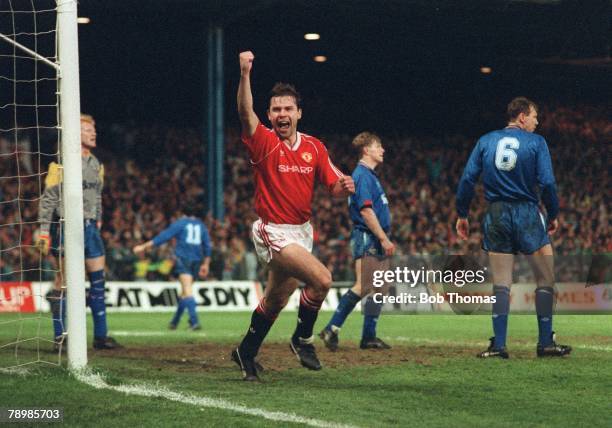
<point x="515" y="165"/>
<point x="192" y="238"/>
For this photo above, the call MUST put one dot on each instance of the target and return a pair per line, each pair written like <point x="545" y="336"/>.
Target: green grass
<point x="430" y="378"/>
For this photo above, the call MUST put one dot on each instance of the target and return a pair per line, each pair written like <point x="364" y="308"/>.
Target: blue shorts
<point x="94" y="247"/>
<point x="364" y="243"/>
<point x="187" y="266"/>
<point x="514" y="227"/>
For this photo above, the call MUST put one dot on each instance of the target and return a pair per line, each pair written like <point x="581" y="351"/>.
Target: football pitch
<point x="430" y="378"/>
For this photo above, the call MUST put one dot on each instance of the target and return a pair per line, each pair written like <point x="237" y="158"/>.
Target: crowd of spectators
<point x="150" y="171"/>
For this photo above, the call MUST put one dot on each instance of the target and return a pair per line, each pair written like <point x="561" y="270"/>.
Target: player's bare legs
<point x="186" y="301"/>
<point x="299" y="263"/>
<point x="288" y="266"/>
<point x="356" y="288"/>
<point x="186" y="282"/>
<point x="542" y="264"/>
<point x="281" y="285"/>
<point x="502" y="265"/>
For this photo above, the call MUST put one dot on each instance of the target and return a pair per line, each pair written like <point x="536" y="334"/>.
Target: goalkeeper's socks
<point x="179" y="312"/>
<point x="501" y="307"/>
<point x="261" y="322"/>
<point x="371" y="313"/>
<point x="307" y="315"/>
<point x="191" y="305"/>
<point x="544" y="300"/>
<point x="59" y="318"/>
<point x="345" y="306"/>
<point x="57" y="301"/>
<point x="96" y="303"/>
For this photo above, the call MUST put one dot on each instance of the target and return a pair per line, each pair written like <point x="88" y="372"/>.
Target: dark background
<point x="393" y="66"/>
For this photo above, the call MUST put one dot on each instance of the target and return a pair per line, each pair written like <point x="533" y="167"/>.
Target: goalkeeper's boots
<point x="373" y="343"/>
<point x="553" y="349"/>
<point x="304" y="350"/>
<point x="248" y="365"/>
<point x="330" y="339"/>
<point x="493" y="352"/>
<point x="106" y="343"/>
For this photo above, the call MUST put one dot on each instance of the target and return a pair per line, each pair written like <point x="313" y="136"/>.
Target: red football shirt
<point x="285" y="177"/>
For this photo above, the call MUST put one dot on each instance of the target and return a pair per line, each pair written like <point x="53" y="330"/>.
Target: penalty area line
<point x="144" y="390"/>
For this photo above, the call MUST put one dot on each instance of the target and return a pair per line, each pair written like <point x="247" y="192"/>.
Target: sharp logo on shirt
<point x="307" y="156"/>
<point x="295" y="168"/>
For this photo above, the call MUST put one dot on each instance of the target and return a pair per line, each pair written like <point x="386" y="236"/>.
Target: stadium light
<point x="320" y="58"/>
<point x="83" y="20"/>
<point x="486" y="70"/>
<point x="312" y="36"/>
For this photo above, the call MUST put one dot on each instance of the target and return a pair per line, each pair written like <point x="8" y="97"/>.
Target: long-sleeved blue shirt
<point x="515" y="165"/>
<point x="192" y="238"/>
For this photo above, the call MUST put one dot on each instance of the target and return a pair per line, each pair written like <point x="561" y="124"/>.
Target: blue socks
<point x="190" y="304"/>
<point x="57" y="301"/>
<point x="179" y="312"/>
<point x="346" y="305"/>
<point x="501" y="307"/>
<point x="371" y="312"/>
<point x="544" y="299"/>
<point x="96" y="303"/>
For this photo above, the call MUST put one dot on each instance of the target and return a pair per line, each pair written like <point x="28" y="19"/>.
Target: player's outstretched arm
<point x="248" y="118"/>
<point x="370" y="219"/>
<point x="142" y="247"/>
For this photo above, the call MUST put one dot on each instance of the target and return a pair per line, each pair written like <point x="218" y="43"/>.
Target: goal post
<point x="65" y="65"/>
<point x="70" y="124"/>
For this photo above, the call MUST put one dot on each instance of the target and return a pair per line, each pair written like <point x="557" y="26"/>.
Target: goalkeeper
<point x="50" y="203"/>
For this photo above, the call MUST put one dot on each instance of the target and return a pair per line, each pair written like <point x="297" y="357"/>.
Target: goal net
<point x="31" y="134"/>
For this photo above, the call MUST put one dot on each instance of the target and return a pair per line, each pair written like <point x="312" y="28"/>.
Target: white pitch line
<point x="144" y="390"/>
<point x="468" y="344"/>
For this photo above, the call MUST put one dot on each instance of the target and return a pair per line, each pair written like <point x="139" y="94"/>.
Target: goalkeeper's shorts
<point x="94" y="247"/>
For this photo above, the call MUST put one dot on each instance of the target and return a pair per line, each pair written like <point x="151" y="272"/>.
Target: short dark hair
<point x="363" y="140"/>
<point x="281" y="89"/>
<point x="190" y="209"/>
<point x="519" y="105"/>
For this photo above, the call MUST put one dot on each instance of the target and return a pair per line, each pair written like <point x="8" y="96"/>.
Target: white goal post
<point x="67" y="69"/>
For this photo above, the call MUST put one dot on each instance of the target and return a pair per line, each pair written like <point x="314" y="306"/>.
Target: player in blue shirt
<point x="192" y="259"/>
<point x="369" y="211"/>
<point x="515" y="163"/>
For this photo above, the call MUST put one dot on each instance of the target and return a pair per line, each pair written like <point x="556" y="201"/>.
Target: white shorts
<point x="270" y="236"/>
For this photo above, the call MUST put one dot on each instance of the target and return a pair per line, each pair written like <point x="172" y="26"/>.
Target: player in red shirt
<point x="286" y="164"/>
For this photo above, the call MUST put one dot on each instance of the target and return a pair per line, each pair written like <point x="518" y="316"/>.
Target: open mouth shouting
<point x="283" y="125"/>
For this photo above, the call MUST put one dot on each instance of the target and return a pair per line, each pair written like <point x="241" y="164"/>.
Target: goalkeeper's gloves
<point x="43" y="242"/>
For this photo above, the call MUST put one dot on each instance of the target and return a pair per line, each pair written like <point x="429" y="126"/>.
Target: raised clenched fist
<point x="246" y="61"/>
